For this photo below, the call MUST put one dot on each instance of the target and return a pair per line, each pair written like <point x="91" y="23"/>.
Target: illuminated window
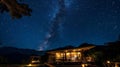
<point x="58" y="56"/>
<point x="68" y="56"/>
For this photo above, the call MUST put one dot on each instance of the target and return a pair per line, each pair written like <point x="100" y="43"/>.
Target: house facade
<point x="70" y="55"/>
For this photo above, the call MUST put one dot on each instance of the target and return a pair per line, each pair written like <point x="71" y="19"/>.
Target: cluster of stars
<point x="91" y="21"/>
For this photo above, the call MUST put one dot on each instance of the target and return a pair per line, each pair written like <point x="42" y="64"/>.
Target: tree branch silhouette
<point x="16" y="10"/>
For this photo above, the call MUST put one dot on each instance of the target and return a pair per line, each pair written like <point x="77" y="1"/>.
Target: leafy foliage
<point x="16" y="10"/>
<point x="110" y="51"/>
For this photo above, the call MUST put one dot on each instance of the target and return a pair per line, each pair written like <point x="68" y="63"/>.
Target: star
<point x="113" y="3"/>
<point x="57" y="23"/>
<point x="115" y="27"/>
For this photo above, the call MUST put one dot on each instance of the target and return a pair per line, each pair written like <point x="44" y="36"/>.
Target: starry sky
<point x="57" y="23"/>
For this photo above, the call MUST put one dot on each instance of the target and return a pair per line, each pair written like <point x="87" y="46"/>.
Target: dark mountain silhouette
<point x="9" y="50"/>
<point x="14" y="55"/>
<point x="63" y="48"/>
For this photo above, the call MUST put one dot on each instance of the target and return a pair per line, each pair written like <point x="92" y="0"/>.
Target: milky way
<point x="58" y="23"/>
<point x="55" y="25"/>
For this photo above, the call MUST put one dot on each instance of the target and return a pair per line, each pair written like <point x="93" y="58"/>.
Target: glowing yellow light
<point x="62" y="54"/>
<point x="84" y="65"/>
<point x="74" y="53"/>
<point x="57" y="55"/>
<point x="29" y="64"/>
<point x="35" y="61"/>
<point x="108" y="62"/>
<point x="79" y="53"/>
<point x="67" y="53"/>
<point x="116" y="65"/>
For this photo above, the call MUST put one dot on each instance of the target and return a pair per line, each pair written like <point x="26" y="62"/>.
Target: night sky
<point x="57" y="23"/>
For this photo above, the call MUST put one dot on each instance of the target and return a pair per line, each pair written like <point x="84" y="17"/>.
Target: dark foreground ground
<point x="23" y="65"/>
<point x="45" y="65"/>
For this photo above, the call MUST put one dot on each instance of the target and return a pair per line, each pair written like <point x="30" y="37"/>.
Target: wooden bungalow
<point x="69" y="54"/>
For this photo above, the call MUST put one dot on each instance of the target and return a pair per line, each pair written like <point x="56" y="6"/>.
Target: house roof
<point x="70" y="49"/>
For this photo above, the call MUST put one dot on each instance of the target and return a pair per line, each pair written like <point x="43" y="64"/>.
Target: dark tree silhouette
<point x="16" y="9"/>
<point x="119" y="37"/>
<point x="85" y="45"/>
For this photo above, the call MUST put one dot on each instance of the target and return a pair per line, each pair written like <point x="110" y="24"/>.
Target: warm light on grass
<point x="84" y="65"/>
<point x="108" y="62"/>
<point x="29" y="65"/>
<point x="32" y="65"/>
